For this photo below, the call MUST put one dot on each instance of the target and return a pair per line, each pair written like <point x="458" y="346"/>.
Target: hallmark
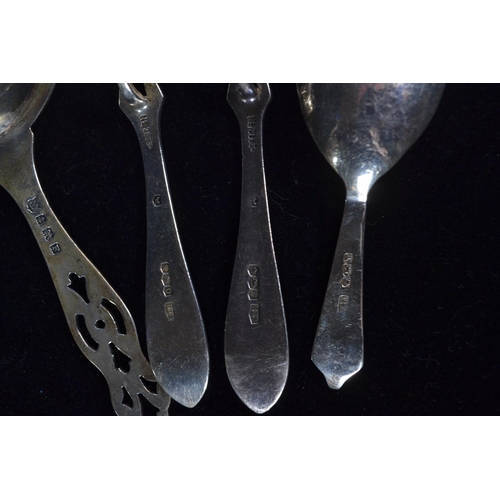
<point x="48" y="234"/>
<point x="169" y="311"/>
<point x="33" y="205"/>
<point x="254" y="314"/>
<point x="343" y="303"/>
<point x="251" y="132"/>
<point x="166" y="281"/>
<point x="253" y="282"/>
<point x="146" y="132"/>
<point x="55" y="248"/>
<point x="345" y="281"/>
<point x="40" y="220"/>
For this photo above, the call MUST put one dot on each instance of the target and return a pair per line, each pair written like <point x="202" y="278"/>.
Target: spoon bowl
<point x="21" y="103"/>
<point x="362" y="129"/>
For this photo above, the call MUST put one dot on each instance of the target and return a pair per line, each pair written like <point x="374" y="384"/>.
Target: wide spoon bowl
<point x="362" y="129"/>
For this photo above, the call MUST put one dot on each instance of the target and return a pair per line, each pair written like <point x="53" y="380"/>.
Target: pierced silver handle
<point x="98" y="319"/>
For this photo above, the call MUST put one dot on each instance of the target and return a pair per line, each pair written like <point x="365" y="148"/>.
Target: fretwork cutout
<point x="81" y="326"/>
<point x="78" y="285"/>
<point x="115" y="314"/>
<point x="121" y="360"/>
<point x="149" y="385"/>
<point x="127" y="399"/>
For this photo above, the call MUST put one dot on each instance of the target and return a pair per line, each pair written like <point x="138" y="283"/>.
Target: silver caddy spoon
<point x="176" y="340"/>
<point x="256" y="342"/>
<point x="362" y="129"/>
<point x="98" y="319"/>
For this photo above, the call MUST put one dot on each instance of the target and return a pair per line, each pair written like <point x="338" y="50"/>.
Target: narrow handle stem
<point x="338" y="346"/>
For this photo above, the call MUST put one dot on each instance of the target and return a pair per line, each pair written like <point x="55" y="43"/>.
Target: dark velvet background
<point x="431" y="293"/>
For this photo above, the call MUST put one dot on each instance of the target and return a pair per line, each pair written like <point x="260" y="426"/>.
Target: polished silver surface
<point x="256" y="343"/>
<point x="362" y="130"/>
<point x="98" y="319"/>
<point x="177" y="344"/>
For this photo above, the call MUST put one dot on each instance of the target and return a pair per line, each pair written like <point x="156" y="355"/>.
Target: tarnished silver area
<point x="177" y="344"/>
<point x="256" y="343"/>
<point x="98" y="319"/>
<point x="362" y="130"/>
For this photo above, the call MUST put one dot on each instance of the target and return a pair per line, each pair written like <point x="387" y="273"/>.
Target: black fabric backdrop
<point x="431" y="276"/>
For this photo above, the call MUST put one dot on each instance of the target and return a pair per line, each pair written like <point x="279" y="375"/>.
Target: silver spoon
<point x="177" y="344"/>
<point x="98" y="319"/>
<point x="256" y="342"/>
<point x="362" y="129"/>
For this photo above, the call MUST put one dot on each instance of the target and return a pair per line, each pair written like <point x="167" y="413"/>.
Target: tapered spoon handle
<point x="98" y="319"/>
<point x="256" y="345"/>
<point x="176" y="340"/>
<point x="338" y="346"/>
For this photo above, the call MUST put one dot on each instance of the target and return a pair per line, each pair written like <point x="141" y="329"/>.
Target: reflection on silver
<point x="362" y="130"/>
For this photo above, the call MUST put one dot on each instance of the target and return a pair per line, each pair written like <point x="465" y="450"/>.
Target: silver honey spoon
<point x="98" y="319"/>
<point x="175" y="333"/>
<point x="362" y="130"/>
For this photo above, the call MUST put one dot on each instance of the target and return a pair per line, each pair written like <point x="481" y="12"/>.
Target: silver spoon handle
<point x="98" y="319"/>
<point x="177" y="344"/>
<point x="256" y="345"/>
<point x="338" y="346"/>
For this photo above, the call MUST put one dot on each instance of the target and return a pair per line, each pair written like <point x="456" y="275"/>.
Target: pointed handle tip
<point x="336" y="378"/>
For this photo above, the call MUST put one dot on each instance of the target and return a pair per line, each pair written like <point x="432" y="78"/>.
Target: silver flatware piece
<point x="256" y="343"/>
<point x="176" y="339"/>
<point x="98" y="319"/>
<point x="362" y="129"/>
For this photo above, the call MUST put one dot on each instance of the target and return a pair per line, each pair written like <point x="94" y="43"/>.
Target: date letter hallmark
<point x="251" y="131"/>
<point x="55" y="248"/>
<point x="343" y="304"/>
<point x="146" y="132"/>
<point x="254" y="314"/>
<point x="169" y="311"/>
